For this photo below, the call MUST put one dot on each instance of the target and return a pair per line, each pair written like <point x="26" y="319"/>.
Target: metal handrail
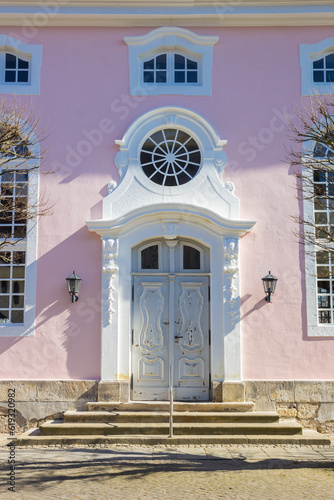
<point x="170" y="401"/>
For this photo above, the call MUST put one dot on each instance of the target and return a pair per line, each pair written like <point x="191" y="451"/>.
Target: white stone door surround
<point x="138" y="210"/>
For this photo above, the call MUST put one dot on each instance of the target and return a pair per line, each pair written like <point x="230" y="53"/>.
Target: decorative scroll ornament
<point x="111" y="186"/>
<point x="170" y="231"/>
<point x="231" y="270"/>
<point x="229" y="186"/>
<point x="110" y="268"/>
<point x="220" y="160"/>
<point x="121" y="161"/>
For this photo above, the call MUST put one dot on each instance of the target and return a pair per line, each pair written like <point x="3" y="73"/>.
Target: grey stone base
<point x="113" y="391"/>
<point x="309" y="402"/>
<point x="39" y="400"/>
<point x="228" y="392"/>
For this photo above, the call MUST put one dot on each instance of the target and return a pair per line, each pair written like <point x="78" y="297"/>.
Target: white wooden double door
<point x="170" y="336"/>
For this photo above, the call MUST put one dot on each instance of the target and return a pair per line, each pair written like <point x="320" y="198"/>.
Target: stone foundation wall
<point x="39" y="400"/>
<point x="309" y="402"/>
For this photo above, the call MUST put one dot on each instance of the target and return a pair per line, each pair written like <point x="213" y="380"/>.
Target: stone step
<point x="33" y="438"/>
<point x="177" y="406"/>
<point x="163" y="416"/>
<point x="74" y="428"/>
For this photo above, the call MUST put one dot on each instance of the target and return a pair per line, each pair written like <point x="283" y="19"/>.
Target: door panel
<point x="191" y="355"/>
<point x="150" y="338"/>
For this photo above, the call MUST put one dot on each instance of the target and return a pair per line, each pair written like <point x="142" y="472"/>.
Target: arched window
<point x="170" y="61"/>
<point x="170" y="68"/>
<point x="20" y="66"/>
<point x="17" y="70"/>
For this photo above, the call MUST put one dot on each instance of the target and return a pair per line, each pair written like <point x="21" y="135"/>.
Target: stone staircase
<point x="148" y="423"/>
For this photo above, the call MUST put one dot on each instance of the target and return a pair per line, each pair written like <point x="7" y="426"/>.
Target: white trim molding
<point x="36" y="14"/>
<point x="31" y="53"/>
<point x="170" y="40"/>
<point x="308" y="54"/>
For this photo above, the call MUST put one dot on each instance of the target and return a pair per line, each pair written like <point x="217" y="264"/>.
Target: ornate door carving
<point x="170" y="327"/>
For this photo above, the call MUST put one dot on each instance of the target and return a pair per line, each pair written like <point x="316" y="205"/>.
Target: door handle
<point x="177" y="337"/>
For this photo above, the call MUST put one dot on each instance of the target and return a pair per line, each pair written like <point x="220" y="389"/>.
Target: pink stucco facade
<point x="85" y="105"/>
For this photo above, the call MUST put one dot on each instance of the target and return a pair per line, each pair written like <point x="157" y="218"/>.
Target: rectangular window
<point x="13" y="226"/>
<point x="12" y="287"/>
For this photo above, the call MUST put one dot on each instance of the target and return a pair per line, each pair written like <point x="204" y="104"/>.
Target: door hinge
<point x="131" y="381"/>
<point x="132" y="336"/>
<point x="209" y="336"/>
<point x="209" y="293"/>
<point x="209" y="380"/>
<point x="133" y="293"/>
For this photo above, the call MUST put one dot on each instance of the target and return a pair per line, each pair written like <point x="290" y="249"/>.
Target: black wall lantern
<point x="269" y="285"/>
<point x="73" y="286"/>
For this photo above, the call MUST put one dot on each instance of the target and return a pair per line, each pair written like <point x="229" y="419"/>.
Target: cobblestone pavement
<point x="194" y="472"/>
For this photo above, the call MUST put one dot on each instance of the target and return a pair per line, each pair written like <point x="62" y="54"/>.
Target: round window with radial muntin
<point x="170" y="157"/>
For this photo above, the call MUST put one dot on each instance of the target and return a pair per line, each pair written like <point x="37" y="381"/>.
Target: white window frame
<point x="308" y="54"/>
<point x="314" y="328"/>
<point x="31" y="53"/>
<point x="29" y="246"/>
<point x="171" y="40"/>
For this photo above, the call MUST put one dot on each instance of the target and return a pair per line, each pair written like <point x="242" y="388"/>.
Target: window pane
<point x="149" y="64"/>
<point x="18" y="272"/>
<point x="17" y="301"/>
<point x="4" y="301"/>
<point x="191" y="64"/>
<point x="22" y="176"/>
<point x="17" y="317"/>
<point x="18" y="287"/>
<point x="191" y="258"/>
<point x="4" y="271"/>
<point x="192" y="76"/>
<point x="22" y="76"/>
<point x="179" y="62"/>
<point x="148" y="77"/>
<point x="23" y="64"/>
<point x="319" y="64"/>
<point x="10" y="76"/>
<point x="320" y="203"/>
<point x="179" y="76"/>
<point x="161" y="62"/>
<point x="324" y="302"/>
<point x="318" y="76"/>
<point x="10" y="61"/>
<point x="19" y="257"/>
<point x="321" y="218"/>
<point x="323" y="272"/>
<point x="322" y="257"/>
<point x="20" y="231"/>
<point x="4" y="286"/>
<point x="330" y="61"/>
<point x="4" y="316"/>
<point x="323" y="287"/>
<point x="150" y="257"/>
<point x="161" y="77"/>
<point x="330" y="76"/>
<point x="324" y="316"/>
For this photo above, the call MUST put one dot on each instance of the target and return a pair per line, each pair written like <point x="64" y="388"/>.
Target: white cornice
<point x="163" y="213"/>
<point x="162" y="3"/>
<point x="151" y="13"/>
